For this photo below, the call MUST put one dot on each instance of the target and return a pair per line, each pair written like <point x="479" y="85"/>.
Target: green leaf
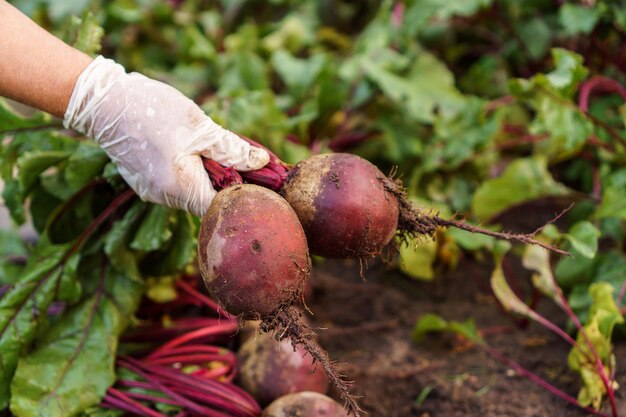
<point x="10" y="120"/>
<point x="179" y="252"/>
<point x="537" y="259"/>
<point x="243" y="72"/>
<point x="417" y="258"/>
<point x="523" y="180"/>
<point x="578" y="19"/>
<point x="583" y="237"/>
<point x="471" y="241"/>
<point x="429" y="323"/>
<point x="86" y="163"/>
<point x="155" y="229"/>
<point x="117" y="240"/>
<point x="23" y="308"/>
<point x="602" y="318"/>
<point x="568" y="73"/>
<point x="87" y="33"/>
<point x="298" y="74"/>
<point x="613" y="203"/>
<point x="557" y="116"/>
<point x="607" y="266"/>
<point x="567" y="128"/>
<point x="509" y="300"/>
<point x="536" y="35"/>
<point x="32" y="164"/>
<point x="50" y="380"/>
<point x="460" y="136"/>
<point x="428" y="89"/>
<point x="421" y="12"/>
<point x="60" y="9"/>
<point x="293" y="33"/>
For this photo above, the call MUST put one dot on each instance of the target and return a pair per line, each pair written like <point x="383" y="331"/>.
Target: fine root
<point x="412" y="223"/>
<point x="287" y="323"/>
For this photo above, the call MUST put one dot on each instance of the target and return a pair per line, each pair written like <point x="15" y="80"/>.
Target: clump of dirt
<point x="367" y="327"/>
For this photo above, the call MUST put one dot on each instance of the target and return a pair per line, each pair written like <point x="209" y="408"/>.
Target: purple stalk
<point x="203" y="299"/>
<point x="271" y="176"/>
<point x="136" y="367"/>
<point x="537" y="379"/>
<point x="598" y="84"/>
<point x="195" y="359"/>
<point x="234" y="395"/>
<point x="221" y="329"/>
<point x="146" y="411"/>
<point x="114" y="403"/>
<point x="218" y="394"/>
<point x="556" y="329"/>
<point x="224" y="404"/>
<point x="600" y="368"/>
<point x="212" y="373"/>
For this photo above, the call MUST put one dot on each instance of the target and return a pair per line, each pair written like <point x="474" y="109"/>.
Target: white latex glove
<point x="155" y="135"/>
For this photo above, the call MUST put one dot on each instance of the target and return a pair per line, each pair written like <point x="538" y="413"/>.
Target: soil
<point x="366" y="326"/>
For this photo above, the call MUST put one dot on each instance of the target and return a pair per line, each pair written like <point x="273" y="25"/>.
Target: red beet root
<point x="344" y="207"/>
<point x="304" y="404"/>
<point x="269" y="369"/>
<point x="252" y="252"/>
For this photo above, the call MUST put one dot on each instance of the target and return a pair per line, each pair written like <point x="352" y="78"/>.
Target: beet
<point x="304" y="404"/>
<point x="343" y="205"/>
<point x="348" y="208"/>
<point x="269" y="369"/>
<point x="252" y="251"/>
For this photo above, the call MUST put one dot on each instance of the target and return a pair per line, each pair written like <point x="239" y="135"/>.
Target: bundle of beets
<point x="255" y="238"/>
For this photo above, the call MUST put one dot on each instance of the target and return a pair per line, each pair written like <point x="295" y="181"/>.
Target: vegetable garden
<point x="481" y="264"/>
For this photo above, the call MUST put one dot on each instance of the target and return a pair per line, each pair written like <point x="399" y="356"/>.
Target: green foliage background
<point x="476" y="102"/>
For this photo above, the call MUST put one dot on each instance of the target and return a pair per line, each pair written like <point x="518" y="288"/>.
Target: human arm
<point x="36" y="68"/>
<point x="155" y="135"/>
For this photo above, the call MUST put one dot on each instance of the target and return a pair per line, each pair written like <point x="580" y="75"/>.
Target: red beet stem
<point x="194" y="349"/>
<point x="135" y="404"/>
<point x="216" y="373"/>
<point x="136" y="367"/>
<point x="115" y="403"/>
<point x="203" y="299"/>
<point x="214" y="393"/>
<point x="221" y="177"/>
<point x="187" y="359"/>
<point x="227" y="328"/>
<point x="271" y="176"/>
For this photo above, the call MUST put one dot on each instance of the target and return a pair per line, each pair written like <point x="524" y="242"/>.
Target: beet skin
<point x="343" y="205"/>
<point x="252" y="251"/>
<point x="304" y="404"/>
<point x="269" y="369"/>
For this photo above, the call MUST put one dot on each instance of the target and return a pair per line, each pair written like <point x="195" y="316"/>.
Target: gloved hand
<point x="155" y="135"/>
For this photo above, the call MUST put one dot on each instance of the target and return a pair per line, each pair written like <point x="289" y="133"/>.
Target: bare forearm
<point x="35" y="67"/>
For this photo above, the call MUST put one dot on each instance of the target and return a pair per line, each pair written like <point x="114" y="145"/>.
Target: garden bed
<point x="367" y="327"/>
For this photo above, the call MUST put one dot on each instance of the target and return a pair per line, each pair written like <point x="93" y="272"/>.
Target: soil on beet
<point x="367" y="328"/>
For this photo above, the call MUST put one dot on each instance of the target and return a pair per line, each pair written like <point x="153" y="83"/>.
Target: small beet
<point x="305" y="404"/>
<point x="253" y="253"/>
<point x="343" y="204"/>
<point x="269" y="369"/>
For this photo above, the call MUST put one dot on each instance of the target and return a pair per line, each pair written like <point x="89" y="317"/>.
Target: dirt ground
<point x="368" y="330"/>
